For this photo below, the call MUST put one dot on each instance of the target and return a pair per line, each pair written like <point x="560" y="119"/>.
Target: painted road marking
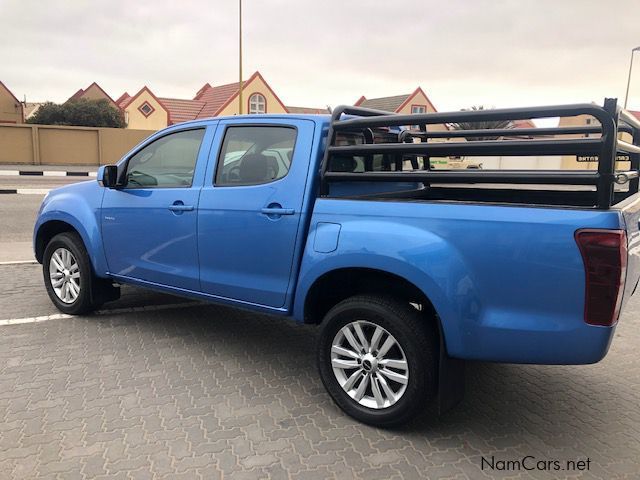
<point x="25" y="191"/>
<point x="115" y="311"/>
<point x="45" y="173"/>
<point x="19" y="262"/>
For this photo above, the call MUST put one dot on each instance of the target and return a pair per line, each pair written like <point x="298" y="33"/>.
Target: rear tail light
<point x="604" y="253"/>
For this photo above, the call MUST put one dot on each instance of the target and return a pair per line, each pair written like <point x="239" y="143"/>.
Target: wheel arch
<point x="336" y="285"/>
<point x="52" y="223"/>
<point x="46" y="232"/>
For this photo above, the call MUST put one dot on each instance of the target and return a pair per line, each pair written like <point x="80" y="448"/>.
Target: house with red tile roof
<point x="11" y="110"/>
<point x="414" y="102"/>
<point x="93" y="92"/>
<point x="145" y="110"/>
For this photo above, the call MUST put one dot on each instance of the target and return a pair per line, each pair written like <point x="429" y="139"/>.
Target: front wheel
<point x="69" y="279"/>
<point x="377" y="359"/>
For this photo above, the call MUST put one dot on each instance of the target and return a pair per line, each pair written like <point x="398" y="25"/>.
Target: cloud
<point x="500" y="53"/>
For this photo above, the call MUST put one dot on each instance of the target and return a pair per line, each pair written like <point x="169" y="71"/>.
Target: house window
<point x="417" y="109"/>
<point x="146" y="109"/>
<point x="257" y="103"/>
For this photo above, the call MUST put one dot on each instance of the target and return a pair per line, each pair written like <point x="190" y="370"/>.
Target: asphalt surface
<point x="156" y="386"/>
<point x="18" y="212"/>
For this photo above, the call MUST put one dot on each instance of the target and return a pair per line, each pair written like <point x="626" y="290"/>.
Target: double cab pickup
<point x="339" y="220"/>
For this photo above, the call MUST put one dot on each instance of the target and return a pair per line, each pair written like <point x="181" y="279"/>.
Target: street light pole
<point x="240" y="56"/>
<point x="626" y="95"/>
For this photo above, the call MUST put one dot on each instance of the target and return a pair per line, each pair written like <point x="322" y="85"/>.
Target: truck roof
<point x="318" y="118"/>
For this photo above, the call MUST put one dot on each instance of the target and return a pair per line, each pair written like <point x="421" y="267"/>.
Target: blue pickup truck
<point x="340" y="221"/>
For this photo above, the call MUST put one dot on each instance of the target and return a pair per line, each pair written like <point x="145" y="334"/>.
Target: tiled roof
<point x="307" y="110"/>
<point x="77" y="95"/>
<point x="215" y="97"/>
<point x="388" y="104"/>
<point x="182" y="110"/>
<point x="123" y="99"/>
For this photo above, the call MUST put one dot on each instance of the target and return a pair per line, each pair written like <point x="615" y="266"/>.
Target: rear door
<point x="250" y="209"/>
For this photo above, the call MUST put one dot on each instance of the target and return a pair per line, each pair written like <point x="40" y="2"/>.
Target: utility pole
<point x="626" y="95"/>
<point x="240" y="56"/>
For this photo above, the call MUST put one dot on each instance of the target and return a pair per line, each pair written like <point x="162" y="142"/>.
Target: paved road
<point x="9" y="182"/>
<point x="18" y="212"/>
<point x="200" y="391"/>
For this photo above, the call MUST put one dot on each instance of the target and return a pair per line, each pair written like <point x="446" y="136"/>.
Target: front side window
<point x="255" y="155"/>
<point x="257" y="103"/>
<point x="167" y="162"/>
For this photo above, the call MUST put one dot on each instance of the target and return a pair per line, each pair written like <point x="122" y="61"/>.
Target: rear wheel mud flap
<point x="450" y="380"/>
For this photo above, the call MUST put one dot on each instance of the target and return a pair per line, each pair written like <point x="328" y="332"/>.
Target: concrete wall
<point x="58" y="145"/>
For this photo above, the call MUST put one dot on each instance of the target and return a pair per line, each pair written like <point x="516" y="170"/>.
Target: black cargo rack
<point x="605" y="147"/>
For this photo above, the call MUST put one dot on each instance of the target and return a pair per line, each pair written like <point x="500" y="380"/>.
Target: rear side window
<point x="255" y="155"/>
<point x="167" y="162"/>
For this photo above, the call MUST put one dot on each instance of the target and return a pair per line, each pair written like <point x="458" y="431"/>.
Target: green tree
<point x="483" y="125"/>
<point x="81" y="113"/>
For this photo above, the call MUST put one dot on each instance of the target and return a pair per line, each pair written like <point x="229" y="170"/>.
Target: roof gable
<point x="219" y="97"/>
<point x="394" y="103"/>
<point x="147" y="90"/>
<point x="94" y="86"/>
<point x="122" y="99"/>
<point x="4" y="87"/>
<point x="416" y="93"/>
<point x="388" y="104"/>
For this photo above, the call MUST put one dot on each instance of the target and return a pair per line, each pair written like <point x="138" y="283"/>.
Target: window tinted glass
<point x="255" y="155"/>
<point x="168" y="162"/>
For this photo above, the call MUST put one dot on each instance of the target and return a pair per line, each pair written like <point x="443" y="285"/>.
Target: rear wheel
<point x="377" y="359"/>
<point x="69" y="279"/>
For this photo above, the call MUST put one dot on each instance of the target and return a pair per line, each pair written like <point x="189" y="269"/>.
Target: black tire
<point x="93" y="290"/>
<point x="414" y="333"/>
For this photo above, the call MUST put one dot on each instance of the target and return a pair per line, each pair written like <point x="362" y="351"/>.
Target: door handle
<point x="180" y="207"/>
<point x="278" y="211"/>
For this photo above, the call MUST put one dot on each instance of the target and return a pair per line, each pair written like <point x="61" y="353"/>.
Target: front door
<point x="149" y="224"/>
<point x="250" y="209"/>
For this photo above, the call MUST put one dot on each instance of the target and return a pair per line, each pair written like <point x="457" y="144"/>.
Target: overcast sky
<point x="317" y="52"/>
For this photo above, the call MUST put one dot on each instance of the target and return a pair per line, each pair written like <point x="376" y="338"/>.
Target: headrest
<point x="254" y="168"/>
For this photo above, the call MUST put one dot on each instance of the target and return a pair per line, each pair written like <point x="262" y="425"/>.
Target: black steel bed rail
<point x="605" y="147"/>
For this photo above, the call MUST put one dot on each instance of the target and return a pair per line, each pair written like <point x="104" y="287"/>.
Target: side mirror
<point x="107" y="176"/>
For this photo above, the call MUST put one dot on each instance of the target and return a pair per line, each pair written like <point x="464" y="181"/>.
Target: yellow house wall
<point x="94" y="93"/>
<point x="420" y="99"/>
<point x="255" y="86"/>
<point x="136" y="120"/>
<point x="10" y="110"/>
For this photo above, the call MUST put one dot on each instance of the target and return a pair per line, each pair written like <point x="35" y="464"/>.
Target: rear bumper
<point x="582" y="344"/>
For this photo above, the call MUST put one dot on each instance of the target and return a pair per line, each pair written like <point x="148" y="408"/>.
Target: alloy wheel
<point x="64" y="273"/>
<point x="369" y="364"/>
